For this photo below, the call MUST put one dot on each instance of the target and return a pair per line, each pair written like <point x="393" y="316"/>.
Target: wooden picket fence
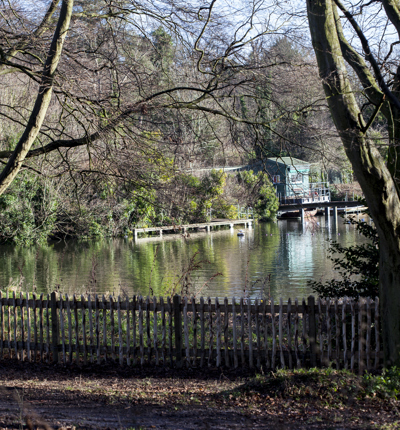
<point x="182" y="331"/>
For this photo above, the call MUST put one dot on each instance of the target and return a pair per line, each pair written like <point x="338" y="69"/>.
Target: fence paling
<point x="353" y="336"/>
<point x="289" y="333"/>
<point x="15" y="325"/>
<point x="256" y="332"/>
<point x="265" y="328"/>
<point x="218" y="312"/>
<point x="128" y="333"/>
<point x="62" y="331"/>
<point x="35" y="337"/>
<point x="194" y="328"/>
<point x="309" y="334"/>
<point x="296" y="334"/>
<point x="84" y="335"/>
<point x="226" y="332"/>
<point x="368" y="334"/>
<point x="304" y="339"/>
<point x="273" y="334"/>
<point x="28" y="324"/>
<point x="149" y="346"/>
<point x="345" y="361"/>
<point x="202" y="333"/>
<point x="336" y="334"/>
<point x="377" y="347"/>
<point x="1" y="324"/>
<point x="282" y="357"/>
<point x="170" y="341"/>
<point x="186" y="330"/>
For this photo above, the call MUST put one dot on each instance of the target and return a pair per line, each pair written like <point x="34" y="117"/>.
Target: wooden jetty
<point x="347" y="207"/>
<point x="206" y="226"/>
<point x="356" y="209"/>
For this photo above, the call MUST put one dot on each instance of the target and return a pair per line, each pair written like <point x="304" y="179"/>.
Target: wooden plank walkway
<point x="179" y="229"/>
<point x="331" y="204"/>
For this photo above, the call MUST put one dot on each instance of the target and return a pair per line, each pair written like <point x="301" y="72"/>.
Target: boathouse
<point x="289" y="175"/>
<point x="291" y="178"/>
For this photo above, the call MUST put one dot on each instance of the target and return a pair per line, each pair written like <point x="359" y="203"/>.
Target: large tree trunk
<point x="375" y="178"/>
<point x="42" y="101"/>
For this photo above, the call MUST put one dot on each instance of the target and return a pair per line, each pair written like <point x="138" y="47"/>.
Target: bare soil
<point x="110" y="397"/>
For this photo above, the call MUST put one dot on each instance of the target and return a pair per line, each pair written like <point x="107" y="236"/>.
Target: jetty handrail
<point x="185" y="331"/>
<point x="184" y="227"/>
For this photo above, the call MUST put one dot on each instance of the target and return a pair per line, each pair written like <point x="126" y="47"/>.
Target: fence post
<point x="312" y="332"/>
<point x="178" y="330"/>
<point x="54" y="326"/>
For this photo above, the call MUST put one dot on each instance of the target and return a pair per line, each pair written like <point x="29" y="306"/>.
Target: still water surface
<point x="273" y="258"/>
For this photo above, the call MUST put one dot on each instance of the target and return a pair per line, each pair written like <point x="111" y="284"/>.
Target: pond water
<point x="272" y="258"/>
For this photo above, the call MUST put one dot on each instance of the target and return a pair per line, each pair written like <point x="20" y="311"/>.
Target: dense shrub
<point x="28" y="210"/>
<point x="35" y="209"/>
<point x="259" y="193"/>
<point x="357" y="266"/>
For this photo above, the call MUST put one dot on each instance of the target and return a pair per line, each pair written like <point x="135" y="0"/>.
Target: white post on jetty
<point x="302" y="215"/>
<point x="327" y="217"/>
<point x="335" y="217"/>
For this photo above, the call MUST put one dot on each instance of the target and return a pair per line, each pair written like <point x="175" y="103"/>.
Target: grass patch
<point x="386" y="385"/>
<point x="327" y="386"/>
<point x="322" y="384"/>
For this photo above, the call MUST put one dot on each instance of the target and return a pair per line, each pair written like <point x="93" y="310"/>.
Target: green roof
<point x="288" y="161"/>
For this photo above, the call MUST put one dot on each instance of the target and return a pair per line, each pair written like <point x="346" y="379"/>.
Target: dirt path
<point x="114" y="398"/>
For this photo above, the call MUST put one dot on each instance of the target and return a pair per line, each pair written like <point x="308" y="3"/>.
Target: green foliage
<point x="163" y="54"/>
<point x="201" y="194"/>
<point x="386" y="385"/>
<point x="321" y="384"/>
<point x="267" y="204"/>
<point x="28" y="210"/>
<point x="357" y="265"/>
<point x="139" y="210"/>
<point x="329" y="385"/>
<point x="260" y="194"/>
<point x="222" y="209"/>
<point x="33" y="210"/>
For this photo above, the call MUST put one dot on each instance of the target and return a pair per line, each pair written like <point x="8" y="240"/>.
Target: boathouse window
<point x="296" y="177"/>
<point x="276" y="179"/>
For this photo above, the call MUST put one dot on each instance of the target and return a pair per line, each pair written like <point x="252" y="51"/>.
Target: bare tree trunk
<point x="375" y="178"/>
<point x="42" y="101"/>
<point x="42" y="27"/>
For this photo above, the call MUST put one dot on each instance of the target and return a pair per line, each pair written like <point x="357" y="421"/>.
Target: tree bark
<point x="42" y="27"/>
<point x="374" y="176"/>
<point x="42" y="101"/>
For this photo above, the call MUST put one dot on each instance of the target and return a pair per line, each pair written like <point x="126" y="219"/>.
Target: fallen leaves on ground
<point x="139" y="398"/>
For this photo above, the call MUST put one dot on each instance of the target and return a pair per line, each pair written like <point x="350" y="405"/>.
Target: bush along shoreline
<point x="37" y="209"/>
